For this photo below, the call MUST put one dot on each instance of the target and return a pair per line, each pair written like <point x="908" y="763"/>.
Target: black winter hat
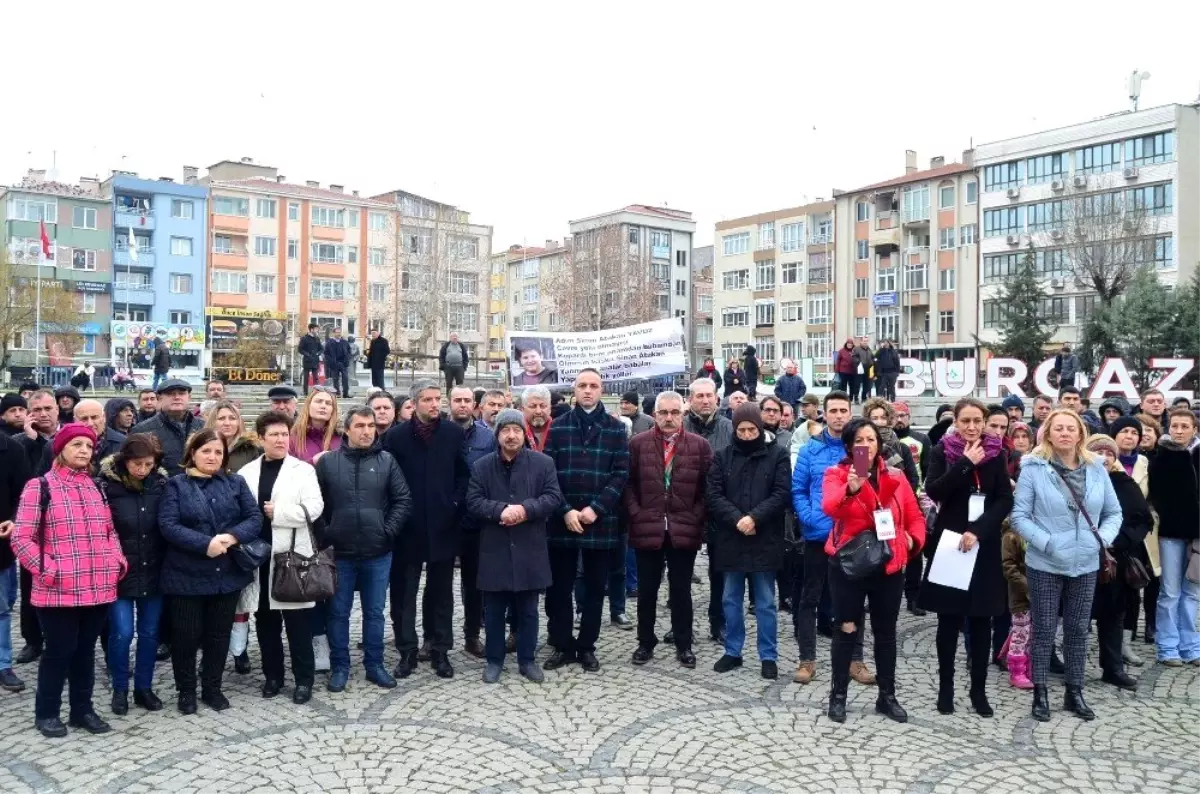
<point x="1122" y="422"/>
<point x="12" y="400"/>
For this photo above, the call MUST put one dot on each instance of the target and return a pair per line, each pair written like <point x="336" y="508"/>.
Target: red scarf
<point x="426" y="430"/>
<point x="537" y="443"/>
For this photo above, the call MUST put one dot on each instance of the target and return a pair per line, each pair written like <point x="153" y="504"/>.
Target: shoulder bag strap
<point x="311" y="535"/>
<point x="1079" y="503"/>
<point x="207" y="506"/>
<point x="43" y="507"/>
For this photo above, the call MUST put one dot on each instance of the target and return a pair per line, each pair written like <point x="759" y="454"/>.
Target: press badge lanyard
<point x="976" y="503"/>
<point x="885" y="526"/>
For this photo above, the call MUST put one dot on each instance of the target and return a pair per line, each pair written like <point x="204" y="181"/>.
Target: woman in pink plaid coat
<point x="76" y="561"/>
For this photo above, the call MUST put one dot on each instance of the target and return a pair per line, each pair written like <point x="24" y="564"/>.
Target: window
<point x="377" y="292"/>
<point x="704" y="304"/>
<point x="862" y="211"/>
<point x="327" y="253"/>
<point x="681" y="258"/>
<point x="966" y="234"/>
<point x="1098" y="159"/>
<point x="293" y="249"/>
<point x="465" y="283"/>
<point x="264" y="246"/>
<point x="704" y="334"/>
<point x="946" y="238"/>
<point x="352" y="219"/>
<point x="681" y="288"/>
<point x="83" y="218"/>
<point x="133" y="315"/>
<point x="824" y="232"/>
<point x="766" y="348"/>
<point x="819" y="271"/>
<point x="887" y="323"/>
<point x="731" y="350"/>
<point x="862" y="288"/>
<point x="327" y="289"/>
<point x="133" y="279"/>
<point x="1159" y="148"/>
<point x="417" y="241"/>
<point x="1055" y="310"/>
<point x="862" y="326"/>
<point x="765" y="275"/>
<point x="1044" y="169"/>
<point x="530" y="294"/>
<point x="916" y="203"/>
<point x="181" y="283"/>
<point x="86" y="301"/>
<point x="264" y="208"/>
<point x="293" y="210"/>
<point x="264" y="285"/>
<point x="1085" y="307"/>
<point x="1045" y="216"/>
<point x="1003" y="175"/>
<point x="820" y="346"/>
<point x="463" y="317"/>
<point x="229" y="282"/>
<point x="946" y="197"/>
<point x="352" y="254"/>
<point x="411" y="318"/>
<point x="464" y="247"/>
<point x="180" y="317"/>
<point x="735" y="317"/>
<point x="529" y="320"/>
<point x="945" y="322"/>
<point x="351" y="289"/>
<point x="328" y="216"/>
<point x="736" y="279"/>
<point x="182" y="246"/>
<point x="293" y="285"/>
<point x="820" y="308"/>
<point x="790" y="273"/>
<point x="376" y="256"/>
<point x="633" y="235"/>
<point x="1152" y="199"/>
<point x="1163" y="250"/>
<point x="1051" y="262"/>
<point x="222" y="244"/>
<point x="792" y="236"/>
<point x="376" y="221"/>
<point x="83" y="259"/>
<point x="947" y="279"/>
<point x="1004" y="221"/>
<point x="764" y="312"/>
<point x="33" y="209"/>
<point x="915" y="277"/>
<point x="862" y="249"/>
<point x="885" y="279"/>
<point x="184" y="210"/>
<point x="660" y="271"/>
<point x="972" y="188"/>
<point x="791" y="312"/>
<point x="1000" y="267"/>
<point x="766" y="235"/>
<point x="736" y="243"/>
<point x="228" y="205"/>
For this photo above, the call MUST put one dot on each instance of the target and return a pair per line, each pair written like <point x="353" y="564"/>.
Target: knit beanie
<point x="1117" y="425"/>
<point x="1099" y="441"/>
<point x="69" y="432"/>
<point x="1013" y="401"/>
<point x="12" y="400"/>
<point x="631" y="397"/>
<point x="748" y="412"/>
<point x="509" y="416"/>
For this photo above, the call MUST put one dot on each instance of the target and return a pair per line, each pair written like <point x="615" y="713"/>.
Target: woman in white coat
<point x="285" y="487"/>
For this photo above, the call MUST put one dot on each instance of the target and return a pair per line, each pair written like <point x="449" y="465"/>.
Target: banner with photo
<point x="645" y="350"/>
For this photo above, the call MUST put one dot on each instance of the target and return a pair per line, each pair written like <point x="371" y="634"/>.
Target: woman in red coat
<point x="856" y="505"/>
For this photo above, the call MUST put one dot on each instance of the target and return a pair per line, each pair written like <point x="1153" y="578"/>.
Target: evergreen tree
<point x="1187" y="317"/>
<point x="1142" y="323"/>
<point x="1024" y="334"/>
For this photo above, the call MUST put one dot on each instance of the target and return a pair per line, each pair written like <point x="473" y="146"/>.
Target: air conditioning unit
<point x="1013" y="239"/>
<point x="1057" y="185"/>
<point x="1056" y="234"/>
<point x="1080" y="181"/>
<point x="1131" y="172"/>
<point x="1013" y="193"/>
<point x="1130" y="224"/>
<point x="1056" y="283"/>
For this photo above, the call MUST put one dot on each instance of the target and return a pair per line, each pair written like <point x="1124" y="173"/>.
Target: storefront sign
<point x="91" y="286"/>
<point x="255" y="314"/>
<point x="244" y="375"/>
<point x="140" y="335"/>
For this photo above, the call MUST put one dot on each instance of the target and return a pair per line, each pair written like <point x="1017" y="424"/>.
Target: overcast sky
<point x="531" y="114"/>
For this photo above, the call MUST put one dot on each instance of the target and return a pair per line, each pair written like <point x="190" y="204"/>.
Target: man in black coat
<point x="366" y="503"/>
<point x="161" y="362"/>
<point x="430" y="452"/>
<point x="310" y="349"/>
<point x="337" y="361"/>
<point x="173" y="423"/>
<point x="377" y="353"/>
<point x="887" y="370"/>
<point x="512" y="493"/>
<point x="14" y="472"/>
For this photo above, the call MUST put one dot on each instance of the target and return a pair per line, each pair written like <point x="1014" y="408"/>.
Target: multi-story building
<point x="78" y="220"/>
<point x="160" y="252"/>
<point x="773" y="287"/>
<point x="907" y="265"/>
<point x="700" y="345"/>
<point x="1088" y="199"/>
<point x="530" y="307"/>
<point x="497" y="305"/>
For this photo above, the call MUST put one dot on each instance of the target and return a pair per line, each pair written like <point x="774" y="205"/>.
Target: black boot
<point x="1041" y="703"/>
<point x="887" y="705"/>
<point x="837" y="697"/>
<point x="120" y="702"/>
<point x="1074" y="702"/>
<point x="979" y="700"/>
<point x="945" y="700"/>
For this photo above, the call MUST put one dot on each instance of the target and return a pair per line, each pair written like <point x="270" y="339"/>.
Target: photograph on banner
<point x="645" y="350"/>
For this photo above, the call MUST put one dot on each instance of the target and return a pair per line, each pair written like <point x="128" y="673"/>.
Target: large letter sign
<point x="995" y="381"/>
<point x="1113" y="369"/>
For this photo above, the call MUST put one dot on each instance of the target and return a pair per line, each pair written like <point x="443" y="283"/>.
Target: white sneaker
<point x="321" y="654"/>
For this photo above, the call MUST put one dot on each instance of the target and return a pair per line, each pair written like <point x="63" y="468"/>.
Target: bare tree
<point x="605" y="281"/>
<point x="19" y="314"/>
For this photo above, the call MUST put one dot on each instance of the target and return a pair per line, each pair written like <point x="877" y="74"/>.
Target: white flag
<point x="133" y="252"/>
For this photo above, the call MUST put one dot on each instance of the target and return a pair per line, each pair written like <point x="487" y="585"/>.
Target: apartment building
<point x="160" y="254"/>
<point x="700" y="345"/>
<point x="774" y="288"/>
<point x="529" y="306"/>
<point x="497" y="305"/>
<point x="907" y="268"/>
<point x="79" y="222"/>
<point x="1118" y="189"/>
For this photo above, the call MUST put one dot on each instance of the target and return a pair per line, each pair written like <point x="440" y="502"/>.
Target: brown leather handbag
<point x="297" y="579"/>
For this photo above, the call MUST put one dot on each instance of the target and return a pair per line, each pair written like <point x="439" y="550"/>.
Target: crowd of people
<point x="176" y="523"/>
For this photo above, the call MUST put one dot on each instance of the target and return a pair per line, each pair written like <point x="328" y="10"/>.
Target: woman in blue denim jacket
<point x="1063" y="494"/>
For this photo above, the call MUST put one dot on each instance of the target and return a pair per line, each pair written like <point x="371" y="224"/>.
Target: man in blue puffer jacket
<point x="808" y="477"/>
<point x="790" y="388"/>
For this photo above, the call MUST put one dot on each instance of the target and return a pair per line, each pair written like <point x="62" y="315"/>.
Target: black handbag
<point x="249" y="556"/>
<point x="298" y="579"/>
<point x="1134" y="573"/>
<point x="862" y="556"/>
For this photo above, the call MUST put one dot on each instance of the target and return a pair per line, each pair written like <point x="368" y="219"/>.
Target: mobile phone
<point x="862" y="461"/>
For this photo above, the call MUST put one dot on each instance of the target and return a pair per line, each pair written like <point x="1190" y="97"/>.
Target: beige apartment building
<point x="773" y="287"/>
<point x="528" y="306"/>
<point x="908" y="263"/>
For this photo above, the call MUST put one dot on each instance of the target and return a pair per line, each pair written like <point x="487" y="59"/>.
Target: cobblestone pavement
<point x="656" y="729"/>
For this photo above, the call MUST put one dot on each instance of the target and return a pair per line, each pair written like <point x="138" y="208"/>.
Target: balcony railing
<point x="121" y="258"/>
<point x="132" y="218"/>
<point x="231" y="251"/>
<point x="142" y="295"/>
<point x="916" y="214"/>
<point x="886" y="220"/>
<point x="820" y="239"/>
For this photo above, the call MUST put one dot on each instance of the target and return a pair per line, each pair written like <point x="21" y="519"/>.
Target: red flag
<point x="45" y="242"/>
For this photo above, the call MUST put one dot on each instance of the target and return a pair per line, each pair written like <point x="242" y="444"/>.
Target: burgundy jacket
<point x="648" y="501"/>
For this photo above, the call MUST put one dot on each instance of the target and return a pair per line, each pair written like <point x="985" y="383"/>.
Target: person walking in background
<point x="753" y="368"/>
<point x="790" y="387"/>
<point x="337" y="361"/>
<point x="864" y="362"/>
<point x="377" y="353"/>
<point x="161" y="362"/>
<point x="887" y="369"/>
<point x="63" y="535"/>
<point x="310" y="349"/>
<point x="453" y="361"/>
<point x="846" y="367"/>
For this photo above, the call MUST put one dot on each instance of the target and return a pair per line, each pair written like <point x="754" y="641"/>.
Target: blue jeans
<point x="733" y="603"/>
<point x="120" y="637"/>
<point x="8" y="595"/>
<point x="1178" y="600"/>
<point x="631" y="578"/>
<point x="524" y="606"/>
<point x="158" y="379"/>
<point x="616" y="584"/>
<point x="371" y="577"/>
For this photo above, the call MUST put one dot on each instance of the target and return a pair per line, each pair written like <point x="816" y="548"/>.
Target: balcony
<point x="230" y="258"/>
<point x="137" y="219"/>
<point x="335" y="233"/>
<point x="140" y="294"/>
<point x="231" y="223"/>
<point x="328" y="269"/>
<point x="916" y="216"/>
<point x="121" y="258"/>
<point x="886" y="231"/>
<point x="326" y="306"/>
<point x="918" y="255"/>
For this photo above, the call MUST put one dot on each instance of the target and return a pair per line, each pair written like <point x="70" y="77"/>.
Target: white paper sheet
<point x="951" y="567"/>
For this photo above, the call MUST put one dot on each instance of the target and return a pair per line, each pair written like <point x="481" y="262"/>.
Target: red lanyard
<point x="668" y="454"/>
<point x="978" y="487"/>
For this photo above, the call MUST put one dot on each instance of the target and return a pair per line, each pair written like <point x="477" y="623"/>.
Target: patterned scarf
<point x="953" y="444"/>
<point x="426" y="430"/>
